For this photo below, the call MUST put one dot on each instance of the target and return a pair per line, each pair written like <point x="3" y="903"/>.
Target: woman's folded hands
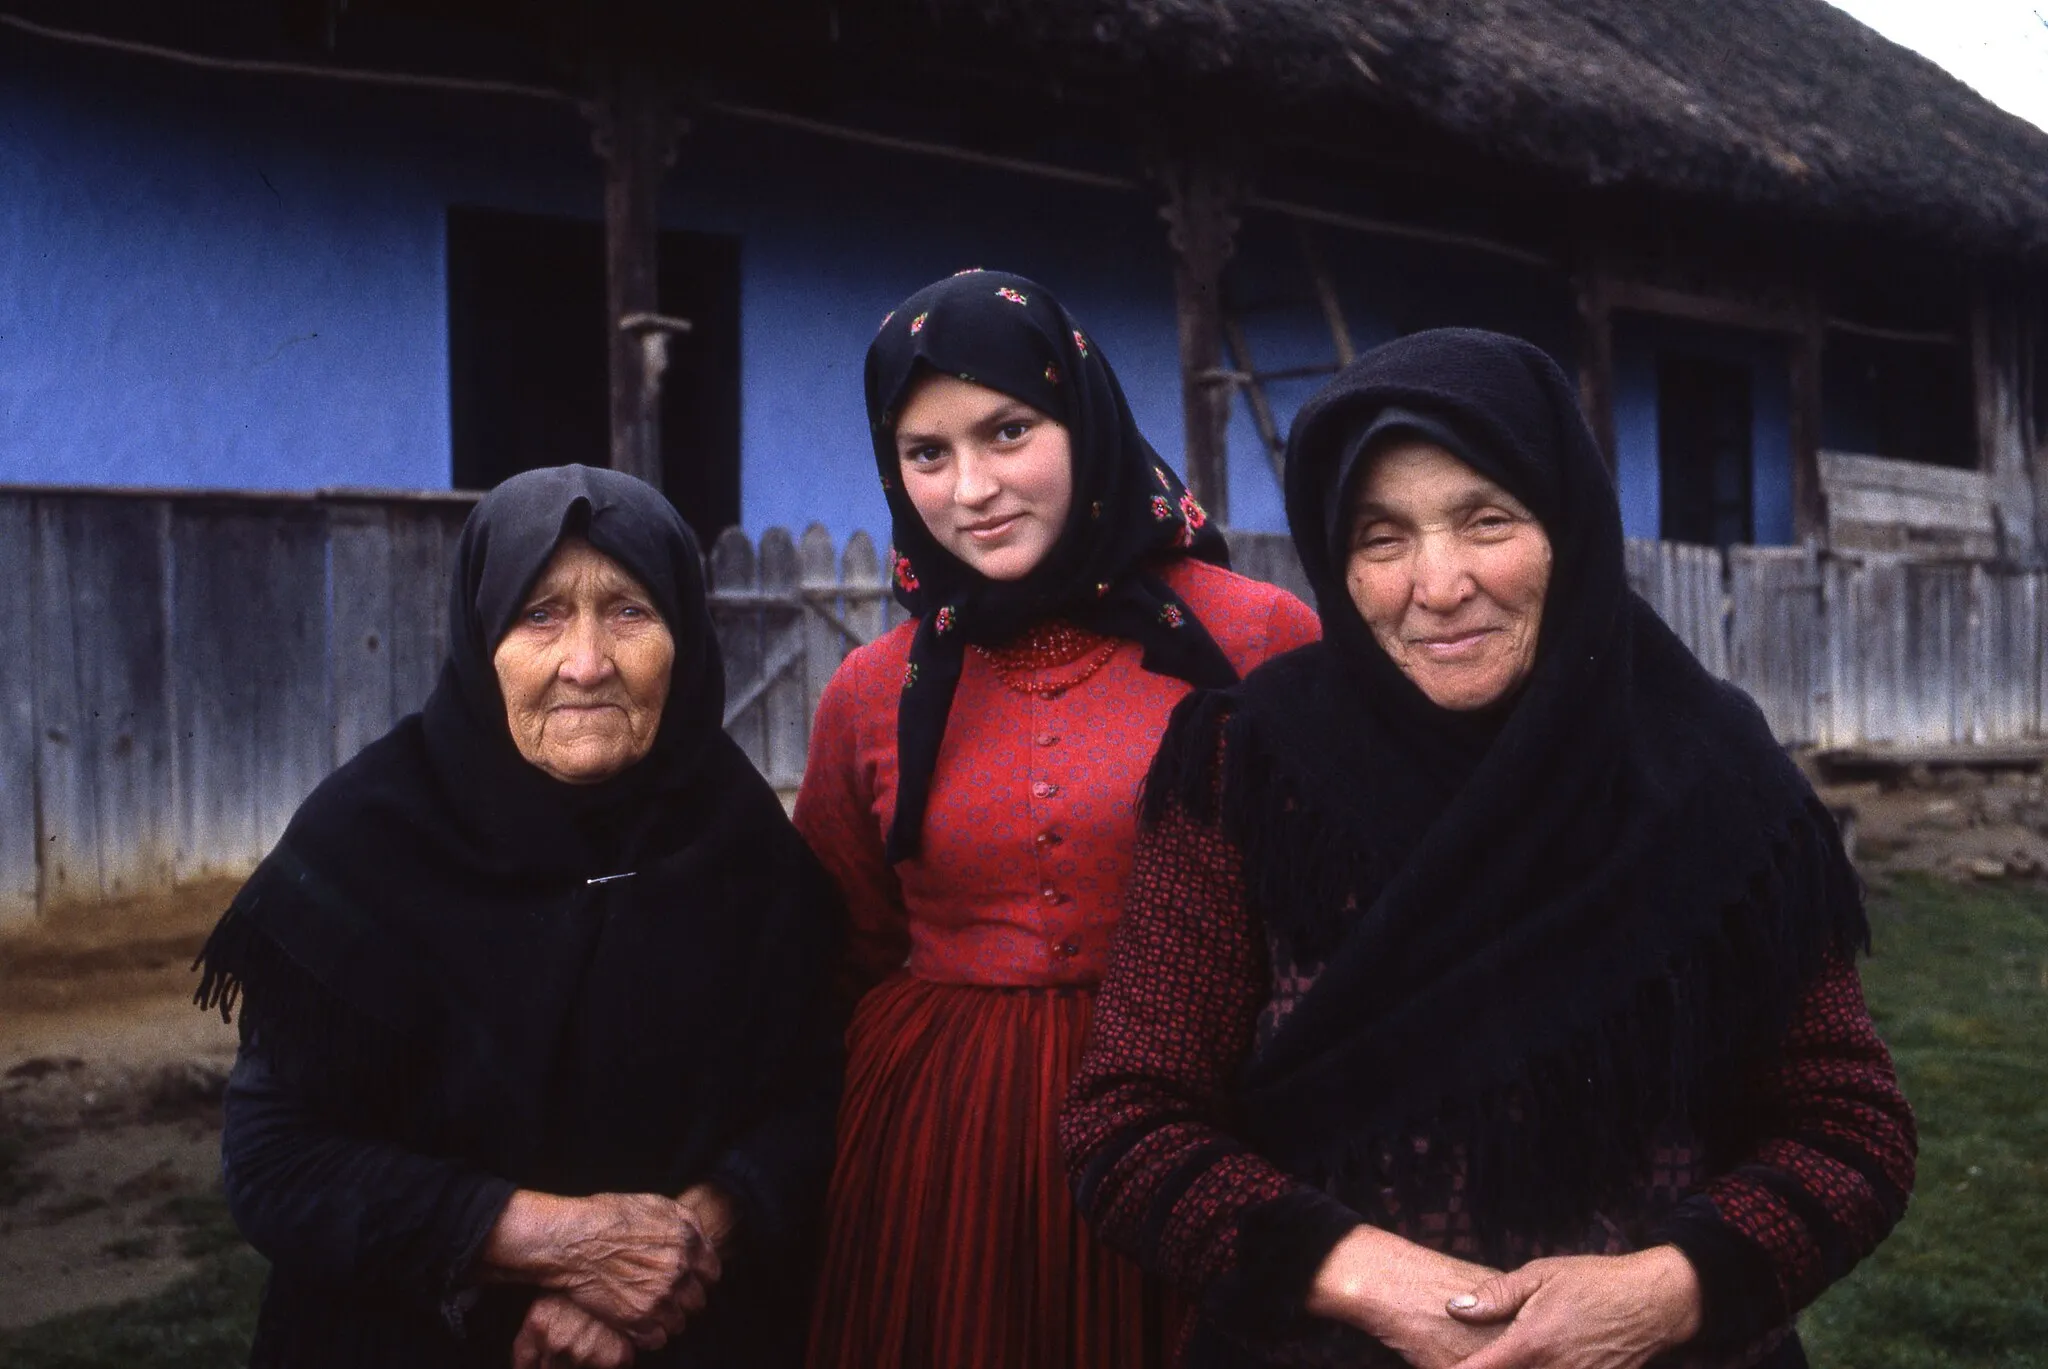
<point x="620" y="1273"/>
<point x="1437" y="1312"/>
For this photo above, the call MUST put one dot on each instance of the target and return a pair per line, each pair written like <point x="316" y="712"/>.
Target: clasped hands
<point x="1570" y="1312"/>
<point x="619" y="1272"/>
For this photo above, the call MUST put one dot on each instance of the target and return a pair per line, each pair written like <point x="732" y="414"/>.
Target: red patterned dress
<point x="951" y="1236"/>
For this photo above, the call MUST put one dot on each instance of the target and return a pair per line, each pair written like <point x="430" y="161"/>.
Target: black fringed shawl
<point x="1544" y="932"/>
<point x="577" y="988"/>
<point x="1009" y="334"/>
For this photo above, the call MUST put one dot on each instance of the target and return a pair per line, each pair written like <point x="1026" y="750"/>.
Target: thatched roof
<point x="1787" y="106"/>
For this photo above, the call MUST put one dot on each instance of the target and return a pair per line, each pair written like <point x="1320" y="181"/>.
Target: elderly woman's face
<point x="1449" y="571"/>
<point x="992" y="477"/>
<point x="585" y="668"/>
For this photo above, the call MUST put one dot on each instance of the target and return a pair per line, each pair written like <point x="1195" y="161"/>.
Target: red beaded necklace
<point x="1047" y="647"/>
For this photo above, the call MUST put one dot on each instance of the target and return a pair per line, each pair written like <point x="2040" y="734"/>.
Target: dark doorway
<point x="527" y="365"/>
<point x="1703" y="451"/>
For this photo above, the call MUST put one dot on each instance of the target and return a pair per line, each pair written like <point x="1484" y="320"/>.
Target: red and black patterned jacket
<point x="1821" y="1173"/>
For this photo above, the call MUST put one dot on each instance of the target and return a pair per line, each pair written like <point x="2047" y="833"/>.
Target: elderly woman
<point x="1490" y="934"/>
<point x="534" y="1065"/>
<point x="972" y="787"/>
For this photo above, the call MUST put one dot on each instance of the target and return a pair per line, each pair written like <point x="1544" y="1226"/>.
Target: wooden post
<point x="1809" y="500"/>
<point x="1999" y="361"/>
<point x="1596" y="355"/>
<point x="635" y="133"/>
<point x="1201" y="219"/>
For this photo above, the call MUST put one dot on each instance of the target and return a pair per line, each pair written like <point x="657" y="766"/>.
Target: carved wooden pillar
<point x="1201" y="218"/>
<point x="635" y="127"/>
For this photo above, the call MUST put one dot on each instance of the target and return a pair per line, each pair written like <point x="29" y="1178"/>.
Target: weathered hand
<point x="632" y="1260"/>
<point x="1395" y="1291"/>
<point x="716" y="1217"/>
<point x="1587" y="1311"/>
<point x="557" y="1334"/>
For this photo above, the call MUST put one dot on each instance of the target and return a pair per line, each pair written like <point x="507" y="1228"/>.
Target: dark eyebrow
<point x="1368" y="511"/>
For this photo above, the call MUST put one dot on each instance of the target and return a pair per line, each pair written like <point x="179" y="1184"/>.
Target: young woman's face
<point x="992" y="477"/>
<point x="1449" y="571"/>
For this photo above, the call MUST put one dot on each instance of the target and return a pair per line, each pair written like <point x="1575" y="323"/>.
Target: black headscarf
<point x="1129" y="511"/>
<point x="1546" y="929"/>
<point x="600" y="982"/>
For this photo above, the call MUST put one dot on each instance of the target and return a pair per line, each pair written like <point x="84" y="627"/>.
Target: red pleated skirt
<point x="952" y="1240"/>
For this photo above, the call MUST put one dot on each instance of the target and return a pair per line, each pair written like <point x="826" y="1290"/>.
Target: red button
<point x="1052" y="895"/>
<point x="1044" y="789"/>
<point x="1067" y="948"/>
<point x="1047" y="739"/>
<point x="1048" y="838"/>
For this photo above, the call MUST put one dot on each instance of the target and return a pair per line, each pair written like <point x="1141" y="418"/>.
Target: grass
<point x="1960" y="990"/>
<point x="1959" y="987"/>
<point x="204" y="1321"/>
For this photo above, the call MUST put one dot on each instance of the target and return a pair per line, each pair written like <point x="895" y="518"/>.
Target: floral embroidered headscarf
<point x="1129" y="511"/>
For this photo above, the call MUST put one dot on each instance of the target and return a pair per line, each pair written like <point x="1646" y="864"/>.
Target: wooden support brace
<point x="1201" y="213"/>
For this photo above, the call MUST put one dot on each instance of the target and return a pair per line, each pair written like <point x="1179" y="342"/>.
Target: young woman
<point x="971" y="787"/>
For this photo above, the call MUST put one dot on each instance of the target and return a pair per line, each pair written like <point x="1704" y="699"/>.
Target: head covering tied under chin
<point x="1129" y="511"/>
<point x="431" y="905"/>
<point x="1543" y="929"/>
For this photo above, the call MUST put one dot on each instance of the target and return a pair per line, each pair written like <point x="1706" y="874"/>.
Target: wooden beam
<point x="1809" y="494"/>
<point x="1200" y="209"/>
<point x="1595" y="288"/>
<point x="2000" y="358"/>
<point x="1729" y="313"/>
<point x="635" y="133"/>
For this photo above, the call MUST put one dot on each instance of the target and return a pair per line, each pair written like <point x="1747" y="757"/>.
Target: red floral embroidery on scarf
<point x="968" y="271"/>
<point x="1102" y="590"/>
<point x="1095" y="509"/>
<point x="906" y="578"/>
<point x="1160" y="508"/>
<point x="943" y="621"/>
<point x="917" y="324"/>
<point x="1165" y="481"/>
<point x="1080" y="342"/>
<point x="886" y="317"/>
<point x="909" y="674"/>
<point x="1052" y="373"/>
<point x="1171" y="615"/>
<point x="1012" y="296"/>
<point x="1196" y="516"/>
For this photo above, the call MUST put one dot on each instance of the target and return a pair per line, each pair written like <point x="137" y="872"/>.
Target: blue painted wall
<point x="239" y="282"/>
<point x="1637" y="342"/>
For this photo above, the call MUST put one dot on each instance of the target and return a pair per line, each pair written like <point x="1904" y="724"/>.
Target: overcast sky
<point x="2000" y="47"/>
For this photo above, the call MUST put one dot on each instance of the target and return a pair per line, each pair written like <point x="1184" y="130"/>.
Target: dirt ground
<point x="110" y="1079"/>
<point x="110" y="1086"/>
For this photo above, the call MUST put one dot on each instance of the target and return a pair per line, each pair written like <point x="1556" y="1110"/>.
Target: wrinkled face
<point x="585" y="668"/>
<point x="992" y="477"/>
<point x="1449" y="571"/>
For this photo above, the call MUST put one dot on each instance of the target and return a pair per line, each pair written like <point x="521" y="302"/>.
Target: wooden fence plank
<point x="867" y="608"/>
<point x="20" y="862"/>
<point x="360" y="611"/>
<point x="216" y="746"/>
<point x="787" y="714"/>
<point x="732" y="573"/>
<point x="119" y="565"/>
<point x="824" y="643"/>
<point x="422" y="570"/>
<point x="64" y="745"/>
<point x="294" y="732"/>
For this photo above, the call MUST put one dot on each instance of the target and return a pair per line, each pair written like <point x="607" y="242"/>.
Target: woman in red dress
<point x="971" y="787"/>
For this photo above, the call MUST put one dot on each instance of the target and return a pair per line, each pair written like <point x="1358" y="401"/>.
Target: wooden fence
<point x="190" y="665"/>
